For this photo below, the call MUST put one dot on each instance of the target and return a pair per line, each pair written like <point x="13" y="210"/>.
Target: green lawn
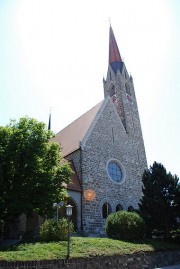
<point x="80" y="247"/>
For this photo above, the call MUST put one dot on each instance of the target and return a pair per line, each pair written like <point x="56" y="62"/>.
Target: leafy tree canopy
<point x="160" y="203"/>
<point x="32" y="169"/>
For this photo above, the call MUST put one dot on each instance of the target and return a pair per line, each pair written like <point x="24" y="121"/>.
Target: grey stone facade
<point x="114" y="136"/>
<point x="108" y="138"/>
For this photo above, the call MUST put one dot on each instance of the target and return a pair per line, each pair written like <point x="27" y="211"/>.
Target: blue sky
<point x="54" y="54"/>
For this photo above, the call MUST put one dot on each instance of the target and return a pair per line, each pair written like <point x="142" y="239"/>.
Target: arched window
<point x="125" y="74"/>
<point x="130" y="209"/>
<point x="112" y="91"/>
<point x="119" y="208"/>
<point x="127" y="89"/>
<point x="106" y="210"/>
<point x="128" y="93"/>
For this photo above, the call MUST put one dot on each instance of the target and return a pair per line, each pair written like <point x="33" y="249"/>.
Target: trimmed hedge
<point x="125" y="225"/>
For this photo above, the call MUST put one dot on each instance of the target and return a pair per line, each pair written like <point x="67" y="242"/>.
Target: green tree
<point x="32" y="170"/>
<point x="159" y="204"/>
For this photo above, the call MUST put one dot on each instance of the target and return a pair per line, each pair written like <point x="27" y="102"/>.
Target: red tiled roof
<point x="74" y="185"/>
<point x="114" y="54"/>
<point x="70" y="137"/>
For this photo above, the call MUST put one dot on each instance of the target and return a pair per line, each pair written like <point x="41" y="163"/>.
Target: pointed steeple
<point x="115" y="59"/>
<point x="114" y="54"/>
<point x="49" y="123"/>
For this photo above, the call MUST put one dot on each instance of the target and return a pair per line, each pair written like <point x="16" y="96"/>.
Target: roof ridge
<point x="70" y="136"/>
<point x="80" y="116"/>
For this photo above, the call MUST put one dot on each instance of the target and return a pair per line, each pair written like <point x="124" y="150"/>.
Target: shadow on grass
<point x="12" y="244"/>
<point x="157" y="244"/>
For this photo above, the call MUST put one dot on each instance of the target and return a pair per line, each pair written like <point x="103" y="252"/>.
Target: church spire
<point x="49" y="123"/>
<point x="115" y="60"/>
<point x="114" y="54"/>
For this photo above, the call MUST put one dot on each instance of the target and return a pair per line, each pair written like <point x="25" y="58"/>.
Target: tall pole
<point x="68" y="246"/>
<point x="69" y="214"/>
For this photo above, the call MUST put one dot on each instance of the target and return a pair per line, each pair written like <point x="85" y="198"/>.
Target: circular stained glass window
<point x="115" y="172"/>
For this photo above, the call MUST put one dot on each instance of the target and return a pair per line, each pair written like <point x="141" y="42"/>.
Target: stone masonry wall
<point x="116" y="136"/>
<point x="107" y="141"/>
<point x="128" y="111"/>
<point x="143" y="260"/>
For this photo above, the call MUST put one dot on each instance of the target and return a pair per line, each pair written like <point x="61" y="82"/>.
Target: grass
<point x="80" y="247"/>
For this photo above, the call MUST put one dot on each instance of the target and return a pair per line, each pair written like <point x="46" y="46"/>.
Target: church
<point x="105" y="149"/>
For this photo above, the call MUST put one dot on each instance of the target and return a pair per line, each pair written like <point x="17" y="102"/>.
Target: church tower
<point x="106" y="151"/>
<point x="119" y="86"/>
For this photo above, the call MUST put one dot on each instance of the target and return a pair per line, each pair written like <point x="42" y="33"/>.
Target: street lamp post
<point x="69" y="214"/>
<point x="57" y="205"/>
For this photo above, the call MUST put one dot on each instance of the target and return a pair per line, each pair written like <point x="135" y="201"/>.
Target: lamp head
<point x="54" y="204"/>
<point x="69" y="210"/>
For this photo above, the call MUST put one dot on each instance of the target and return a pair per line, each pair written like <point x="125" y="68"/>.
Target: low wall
<point x="141" y="260"/>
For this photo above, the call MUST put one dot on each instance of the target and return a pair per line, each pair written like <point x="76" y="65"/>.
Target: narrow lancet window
<point x="106" y="210"/>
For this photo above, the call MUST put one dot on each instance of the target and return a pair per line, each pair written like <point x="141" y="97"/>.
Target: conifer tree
<point x="159" y="204"/>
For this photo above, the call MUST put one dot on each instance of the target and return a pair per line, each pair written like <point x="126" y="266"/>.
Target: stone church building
<point x="106" y="151"/>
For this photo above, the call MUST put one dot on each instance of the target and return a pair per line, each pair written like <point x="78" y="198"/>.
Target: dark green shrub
<point x="47" y="230"/>
<point x="62" y="229"/>
<point x="125" y="226"/>
<point x="55" y="231"/>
